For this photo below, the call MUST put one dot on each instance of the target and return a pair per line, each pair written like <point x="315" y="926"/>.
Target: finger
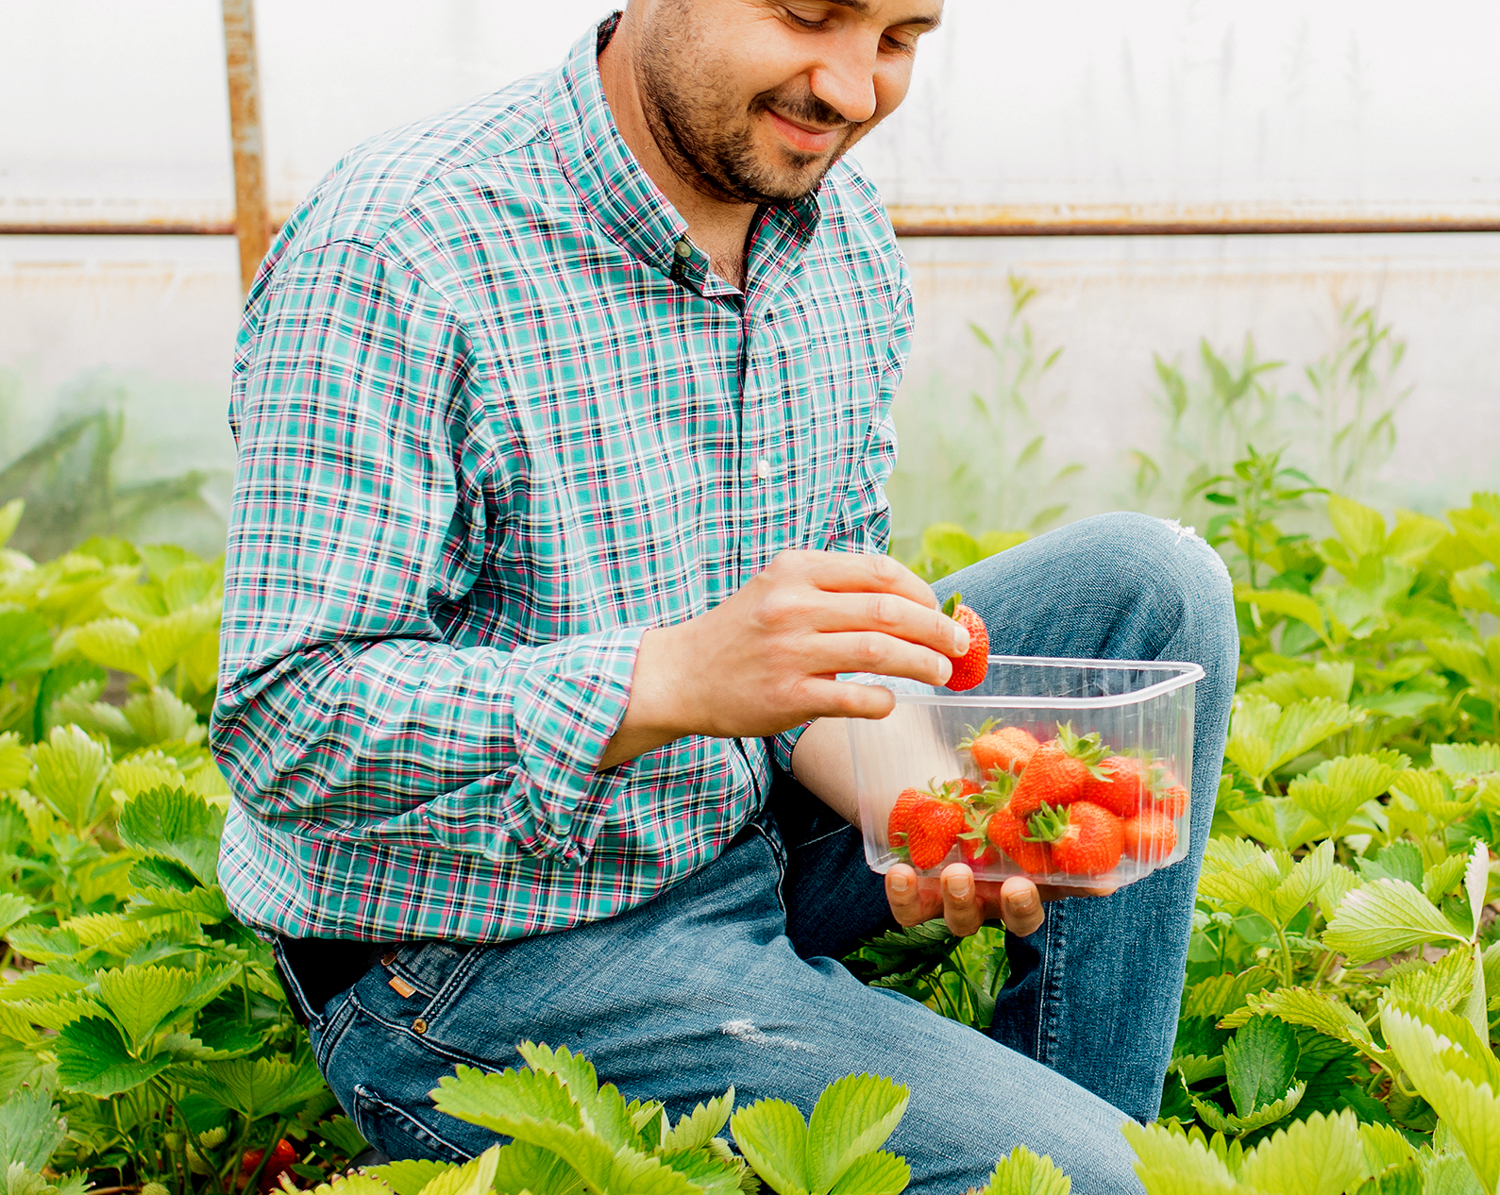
<point x="861" y="572"/>
<point x="1021" y="906"/>
<point x="1054" y="892"/>
<point x="910" y="903"/>
<point x="961" y="911"/>
<point x="871" y="651"/>
<point x="890" y="614"/>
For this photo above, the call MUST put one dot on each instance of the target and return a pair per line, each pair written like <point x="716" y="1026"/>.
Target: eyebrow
<point x="861" y="6"/>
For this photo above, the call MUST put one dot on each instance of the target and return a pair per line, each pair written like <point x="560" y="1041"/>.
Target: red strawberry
<point x="1172" y="800"/>
<point x="1086" y="839"/>
<point x="283" y="1157"/>
<point x="969" y="668"/>
<point x="895" y="828"/>
<point x="1008" y="833"/>
<point x="974" y="843"/>
<point x="932" y="830"/>
<point x="1057" y="772"/>
<point x="1150" y="835"/>
<point x="1008" y="749"/>
<point x="1121" y="787"/>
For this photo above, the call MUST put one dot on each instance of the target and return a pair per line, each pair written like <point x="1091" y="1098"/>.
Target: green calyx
<point x="972" y="734"/>
<point x="998" y="788"/>
<point x="950" y="607"/>
<point x="1087" y="749"/>
<point x="1047" y="824"/>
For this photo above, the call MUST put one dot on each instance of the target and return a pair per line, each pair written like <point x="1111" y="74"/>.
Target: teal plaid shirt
<point x="496" y="418"/>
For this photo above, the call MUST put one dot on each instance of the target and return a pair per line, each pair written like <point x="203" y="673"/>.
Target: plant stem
<point x="1286" y="956"/>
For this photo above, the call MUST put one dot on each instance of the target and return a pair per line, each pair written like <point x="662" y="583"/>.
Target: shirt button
<point x="684" y="248"/>
<point x="763" y="469"/>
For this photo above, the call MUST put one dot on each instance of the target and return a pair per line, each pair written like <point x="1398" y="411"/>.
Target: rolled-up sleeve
<point x="371" y="475"/>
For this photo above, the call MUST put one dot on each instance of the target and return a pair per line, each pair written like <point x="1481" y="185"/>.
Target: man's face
<point x="753" y="100"/>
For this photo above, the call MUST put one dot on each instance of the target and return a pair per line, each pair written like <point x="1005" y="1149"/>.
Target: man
<point x="563" y="423"/>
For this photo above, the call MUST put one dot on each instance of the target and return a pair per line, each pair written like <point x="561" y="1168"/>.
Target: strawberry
<point x="1150" y="835"/>
<point x="895" y="828"/>
<point x="282" y="1158"/>
<point x="1008" y="833"/>
<point x="1057" y="772"/>
<point x="1008" y="749"/>
<point x="1120" y="789"/>
<point x="932" y="830"/>
<point x="969" y="668"/>
<point x="974" y="843"/>
<point x="1086" y="839"/>
<point x="1172" y="800"/>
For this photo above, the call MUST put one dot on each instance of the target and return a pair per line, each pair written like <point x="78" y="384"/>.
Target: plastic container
<point x="1139" y="770"/>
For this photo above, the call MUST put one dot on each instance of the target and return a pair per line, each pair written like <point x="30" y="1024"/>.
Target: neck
<point x="720" y="229"/>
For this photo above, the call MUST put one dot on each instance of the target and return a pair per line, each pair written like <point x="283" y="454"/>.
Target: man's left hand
<point x="966" y="904"/>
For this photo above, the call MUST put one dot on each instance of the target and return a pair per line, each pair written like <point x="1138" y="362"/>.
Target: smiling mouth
<point x="803" y="138"/>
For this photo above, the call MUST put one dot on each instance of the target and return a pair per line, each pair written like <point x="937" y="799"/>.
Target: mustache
<point x="806" y="108"/>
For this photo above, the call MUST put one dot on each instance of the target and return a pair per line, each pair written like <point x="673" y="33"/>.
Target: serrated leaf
<point x="176" y="825"/>
<point x="474" y="1177"/>
<point x="352" y="1184"/>
<point x="1287" y="602"/>
<point x="527" y="1167"/>
<point x="1259" y="1063"/>
<point x="1276" y="821"/>
<point x="1194" y="1068"/>
<point x="25" y="644"/>
<point x="1222" y="994"/>
<point x="505" y="1100"/>
<point x="1267" y="1114"/>
<point x="772" y="1137"/>
<point x="1341" y="881"/>
<point x="114" y="643"/>
<point x="1325" y="1013"/>
<point x="694" y="1129"/>
<point x="159" y="716"/>
<point x="878" y="1173"/>
<point x="1383" y="917"/>
<point x="69" y="773"/>
<point x="1399" y="861"/>
<point x="204" y="904"/>
<point x="407" y="1176"/>
<point x="1361" y="528"/>
<point x="1442" y="878"/>
<point x="1333" y="679"/>
<point x="1334" y="791"/>
<point x="1319" y="1155"/>
<point x="854" y="1115"/>
<point x="15" y="764"/>
<point x="93" y="1059"/>
<point x="1476" y="881"/>
<point x="255" y="1087"/>
<point x="141" y="998"/>
<point x="30" y="1129"/>
<point x="1384" y="1146"/>
<point x="1302" y="883"/>
<point x="1456" y="1074"/>
<point x="1263" y="736"/>
<point x="1171" y="1163"/>
<point x="12" y="909"/>
<point x="1462" y="762"/>
<point x="601" y="1109"/>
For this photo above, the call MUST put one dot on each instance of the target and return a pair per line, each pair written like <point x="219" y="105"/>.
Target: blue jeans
<point x="731" y="976"/>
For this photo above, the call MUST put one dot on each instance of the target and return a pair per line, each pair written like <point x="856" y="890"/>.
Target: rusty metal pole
<point x="252" y="216"/>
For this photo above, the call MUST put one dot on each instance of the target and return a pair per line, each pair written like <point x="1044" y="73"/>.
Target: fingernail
<point x="959" y="886"/>
<point x="1023" y="904"/>
<point x="961" y="642"/>
<point x="898" y="883"/>
<point x="945" y="672"/>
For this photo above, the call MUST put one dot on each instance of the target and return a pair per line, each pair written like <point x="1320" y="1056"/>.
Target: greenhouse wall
<point x="1054" y="119"/>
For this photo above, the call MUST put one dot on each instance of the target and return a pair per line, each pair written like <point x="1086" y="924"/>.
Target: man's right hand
<point x="765" y="659"/>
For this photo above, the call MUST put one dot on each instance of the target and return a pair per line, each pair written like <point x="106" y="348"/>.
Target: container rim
<point x="1183" y="674"/>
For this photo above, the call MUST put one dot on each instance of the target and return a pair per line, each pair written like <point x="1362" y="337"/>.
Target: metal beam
<point x="252" y="214"/>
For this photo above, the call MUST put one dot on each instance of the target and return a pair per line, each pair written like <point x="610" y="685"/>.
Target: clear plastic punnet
<point x="1074" y="772"/>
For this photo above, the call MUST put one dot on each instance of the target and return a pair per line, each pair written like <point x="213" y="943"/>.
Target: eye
<point x="803" y="22"/>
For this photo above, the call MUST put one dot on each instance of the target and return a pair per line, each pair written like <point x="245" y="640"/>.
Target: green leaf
<point x="114" y="643"/>
<point x="29" y="1130"/>
<point x="474" y="1177"/>
<point x="1172" y="1163"/>
<point x="1324" y="679"/>
<point x="854" y="1115"/>
<point x="93" y="1059"/>
<point x="1276" y="821"/>
<point x="1259" y="1063"/>
<point x="1194" y="1068"/>
<point x="1334" y="791"/>
<point x="530" y="1168"/>
<point x="1361" y="529"/>
<point x="1263" y="736"/>
<point x="695" y="1129"/>
<point x="12" y="909"/>
<point x="505" y="1100"/>
<point x="176" y="825"/>
<point x="1443" y="877"/>
<point x="772" y="1137"/>
<point x="160" y="717"/>
<point x="1385" y="916"/>
<point x="407" y="1176"/>
<point x="1287" y="602"/>
<point x="1214" y="1117"/>
<point x="25" y="644"/>
<point x="708" y="1171"/>
<point x="141" y="998"/>
<point x="1325" y="1013"/>
<point x="878" y="1173"/>
<point x="1399" y="861"/>
<point x="1320" y="1155"/>
<point x="1220" y="995"/>
<point x="10" y="519"/>
<point x="1456" y="1074"/>
<point x="1477" y="588"/>
<point x="601" y="1109"/>
<point x="1462" y="762"/>
<point x="15" y="764"/>
<point x="70" y="770"/>
<point x="255" y="1087"/>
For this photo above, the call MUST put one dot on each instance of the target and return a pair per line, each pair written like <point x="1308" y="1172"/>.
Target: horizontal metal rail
<point x="987" y="221"/>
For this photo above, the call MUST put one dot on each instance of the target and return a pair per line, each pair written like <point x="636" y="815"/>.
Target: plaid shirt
<point x="496" y="418"/>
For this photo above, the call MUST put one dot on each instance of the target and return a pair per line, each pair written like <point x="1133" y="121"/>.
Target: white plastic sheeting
<point x="117" y="112"/>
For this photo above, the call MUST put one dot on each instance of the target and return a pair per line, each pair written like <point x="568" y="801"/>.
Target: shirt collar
<point x="611" y="183"/>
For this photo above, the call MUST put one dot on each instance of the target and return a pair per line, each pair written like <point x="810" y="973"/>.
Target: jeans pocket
<point x="399" y="1132"/>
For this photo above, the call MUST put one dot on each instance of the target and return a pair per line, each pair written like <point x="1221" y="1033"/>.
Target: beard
<point x="710" y="141"/>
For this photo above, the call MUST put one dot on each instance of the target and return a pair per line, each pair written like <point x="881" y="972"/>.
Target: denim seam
<point x="327" y="1038"/>
<point x="778" y="857"/>
<point x="1049" y="993"/>
<point x="363" y="1096"/>
<point x="453" y="987"/>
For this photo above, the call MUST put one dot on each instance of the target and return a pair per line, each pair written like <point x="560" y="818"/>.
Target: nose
<point x="845" y="78"/>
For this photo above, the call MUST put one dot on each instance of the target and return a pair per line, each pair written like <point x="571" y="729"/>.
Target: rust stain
<point x="252" y="214"/>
